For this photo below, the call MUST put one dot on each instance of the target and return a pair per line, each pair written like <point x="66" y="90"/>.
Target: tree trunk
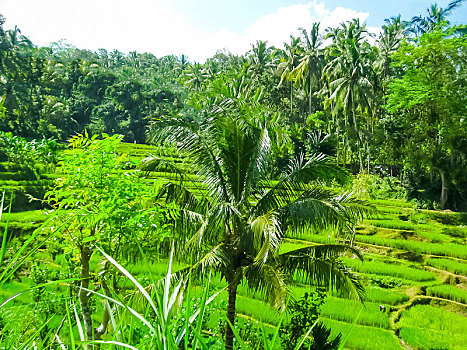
<point x="229" y="335"/>
<point x="102" y="329"/>
<point x="291" y="98"/>
<point x="309" y="98"/>
<point x="444" y="188"/>
<point x="86" y="253"/>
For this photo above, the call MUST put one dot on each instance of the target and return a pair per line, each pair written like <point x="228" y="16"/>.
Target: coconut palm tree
<point x="349" y="74"/>
<point x="311" y="64"/>
<point x="196" y="75"/>
<point x="260" y="57"/>
<point x="289" y="61"/>
<point x="436" y="17"/>
<point x="236" y="217"/>
<point x="394" y="31"/>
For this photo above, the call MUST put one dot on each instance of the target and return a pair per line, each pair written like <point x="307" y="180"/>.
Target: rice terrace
<point x="266" y="188"/>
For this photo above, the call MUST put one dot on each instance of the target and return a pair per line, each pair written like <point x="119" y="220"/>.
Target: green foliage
<point x="367" y="186"/>
<point x="431" y="95"/>
<point x="303" y="313"/>
<point x="22" y="152"/>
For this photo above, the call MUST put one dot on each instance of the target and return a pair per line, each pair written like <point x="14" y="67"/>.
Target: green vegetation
<point x="345" y="310"/>
<point x="425" y="326"/>
<point x="243" y="222"/>
<point x="389" y="269"/>
<point x="449" y="249"/>
<point x="448" y="292"/>
<point x="453" y="266"/>
<point x="364" y="337"/>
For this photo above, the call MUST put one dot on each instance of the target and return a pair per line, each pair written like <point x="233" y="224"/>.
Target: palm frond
<point x="270" y="281"/>
<point x="319" y="265"/>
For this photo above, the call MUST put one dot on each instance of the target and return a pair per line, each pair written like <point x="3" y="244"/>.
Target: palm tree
<point x="311" y="64"/>
<point x="196" y="75"/>
<point x="394" y="31"/>
<point x="436" y="17"/>
<point x="288" y="63"/>
<point x="349" y="74"/>
<point x="260" y="57"/>
<point x="236" y="218"/>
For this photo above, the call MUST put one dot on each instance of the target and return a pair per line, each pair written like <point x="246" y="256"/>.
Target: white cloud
<point x="153" y="26"/>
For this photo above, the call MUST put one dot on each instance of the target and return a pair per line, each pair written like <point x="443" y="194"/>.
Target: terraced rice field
<point x="415" y="264"/>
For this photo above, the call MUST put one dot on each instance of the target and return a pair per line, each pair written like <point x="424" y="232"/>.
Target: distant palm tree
<point x="238" y="220"/>
<point x="394" y="31"/>
<point x="436" y="17"/>
<point x="289" y="61"/>
<point x="196" y="75"/>
<point x="349" y="75"/>
<point x="311" y="64"/>
<point x="260" y="57"/>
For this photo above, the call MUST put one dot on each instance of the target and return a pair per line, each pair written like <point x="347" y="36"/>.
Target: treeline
<point x="392" y="105"/>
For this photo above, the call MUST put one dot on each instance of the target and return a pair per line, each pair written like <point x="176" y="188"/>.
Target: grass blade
<point x="299" y="345"/>
<point x="344" y="340"/>
<point x="131" y="278"/>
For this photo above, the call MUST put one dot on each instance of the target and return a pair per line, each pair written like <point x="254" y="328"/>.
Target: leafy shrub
<point x="366" y="186"/>
<point x="303" y="314"/>
<point x="20" y="151"/>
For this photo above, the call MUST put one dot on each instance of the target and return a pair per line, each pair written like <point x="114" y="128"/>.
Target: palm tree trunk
<point x="309" y="98"/>
<point x="444" y="188"/>
<point x="229" y="336"/>
<point x="291" y="97"/>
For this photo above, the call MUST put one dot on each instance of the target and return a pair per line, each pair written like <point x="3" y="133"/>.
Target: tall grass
<point x="393" y="224"/>
<point x="456" y="267"/>
<point x="383" y="296"/>
<point x="398" y="203"/>
<point x="385" y="269"/>
<point x="441" y="249"/>
<point x="364" y="337"/>
<point x="345" y="310"/>
<point x="428" y="327"/>
<point x="256" y="309"/>
<point x="448" y="292"/>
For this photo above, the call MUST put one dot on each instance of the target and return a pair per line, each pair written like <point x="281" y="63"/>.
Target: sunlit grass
<point x="446" y="291"/>
<point x="453" y="266"/>
<point x="383" y="296"/>
<point x="387" y="269"/>
<point x="346" y="310"/>
<point x="428" y="327"/>
<point x="364" y="337"/>
<point x="447" y="249"/>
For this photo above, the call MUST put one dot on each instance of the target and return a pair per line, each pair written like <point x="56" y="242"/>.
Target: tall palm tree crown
<point x="436" y="17"/>
<point x="241" y="214"/>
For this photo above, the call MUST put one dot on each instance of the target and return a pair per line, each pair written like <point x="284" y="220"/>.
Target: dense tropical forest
<point x="310" y="196"/>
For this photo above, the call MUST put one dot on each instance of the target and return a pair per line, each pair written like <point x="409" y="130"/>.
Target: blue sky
<point x="197" y="28"/>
